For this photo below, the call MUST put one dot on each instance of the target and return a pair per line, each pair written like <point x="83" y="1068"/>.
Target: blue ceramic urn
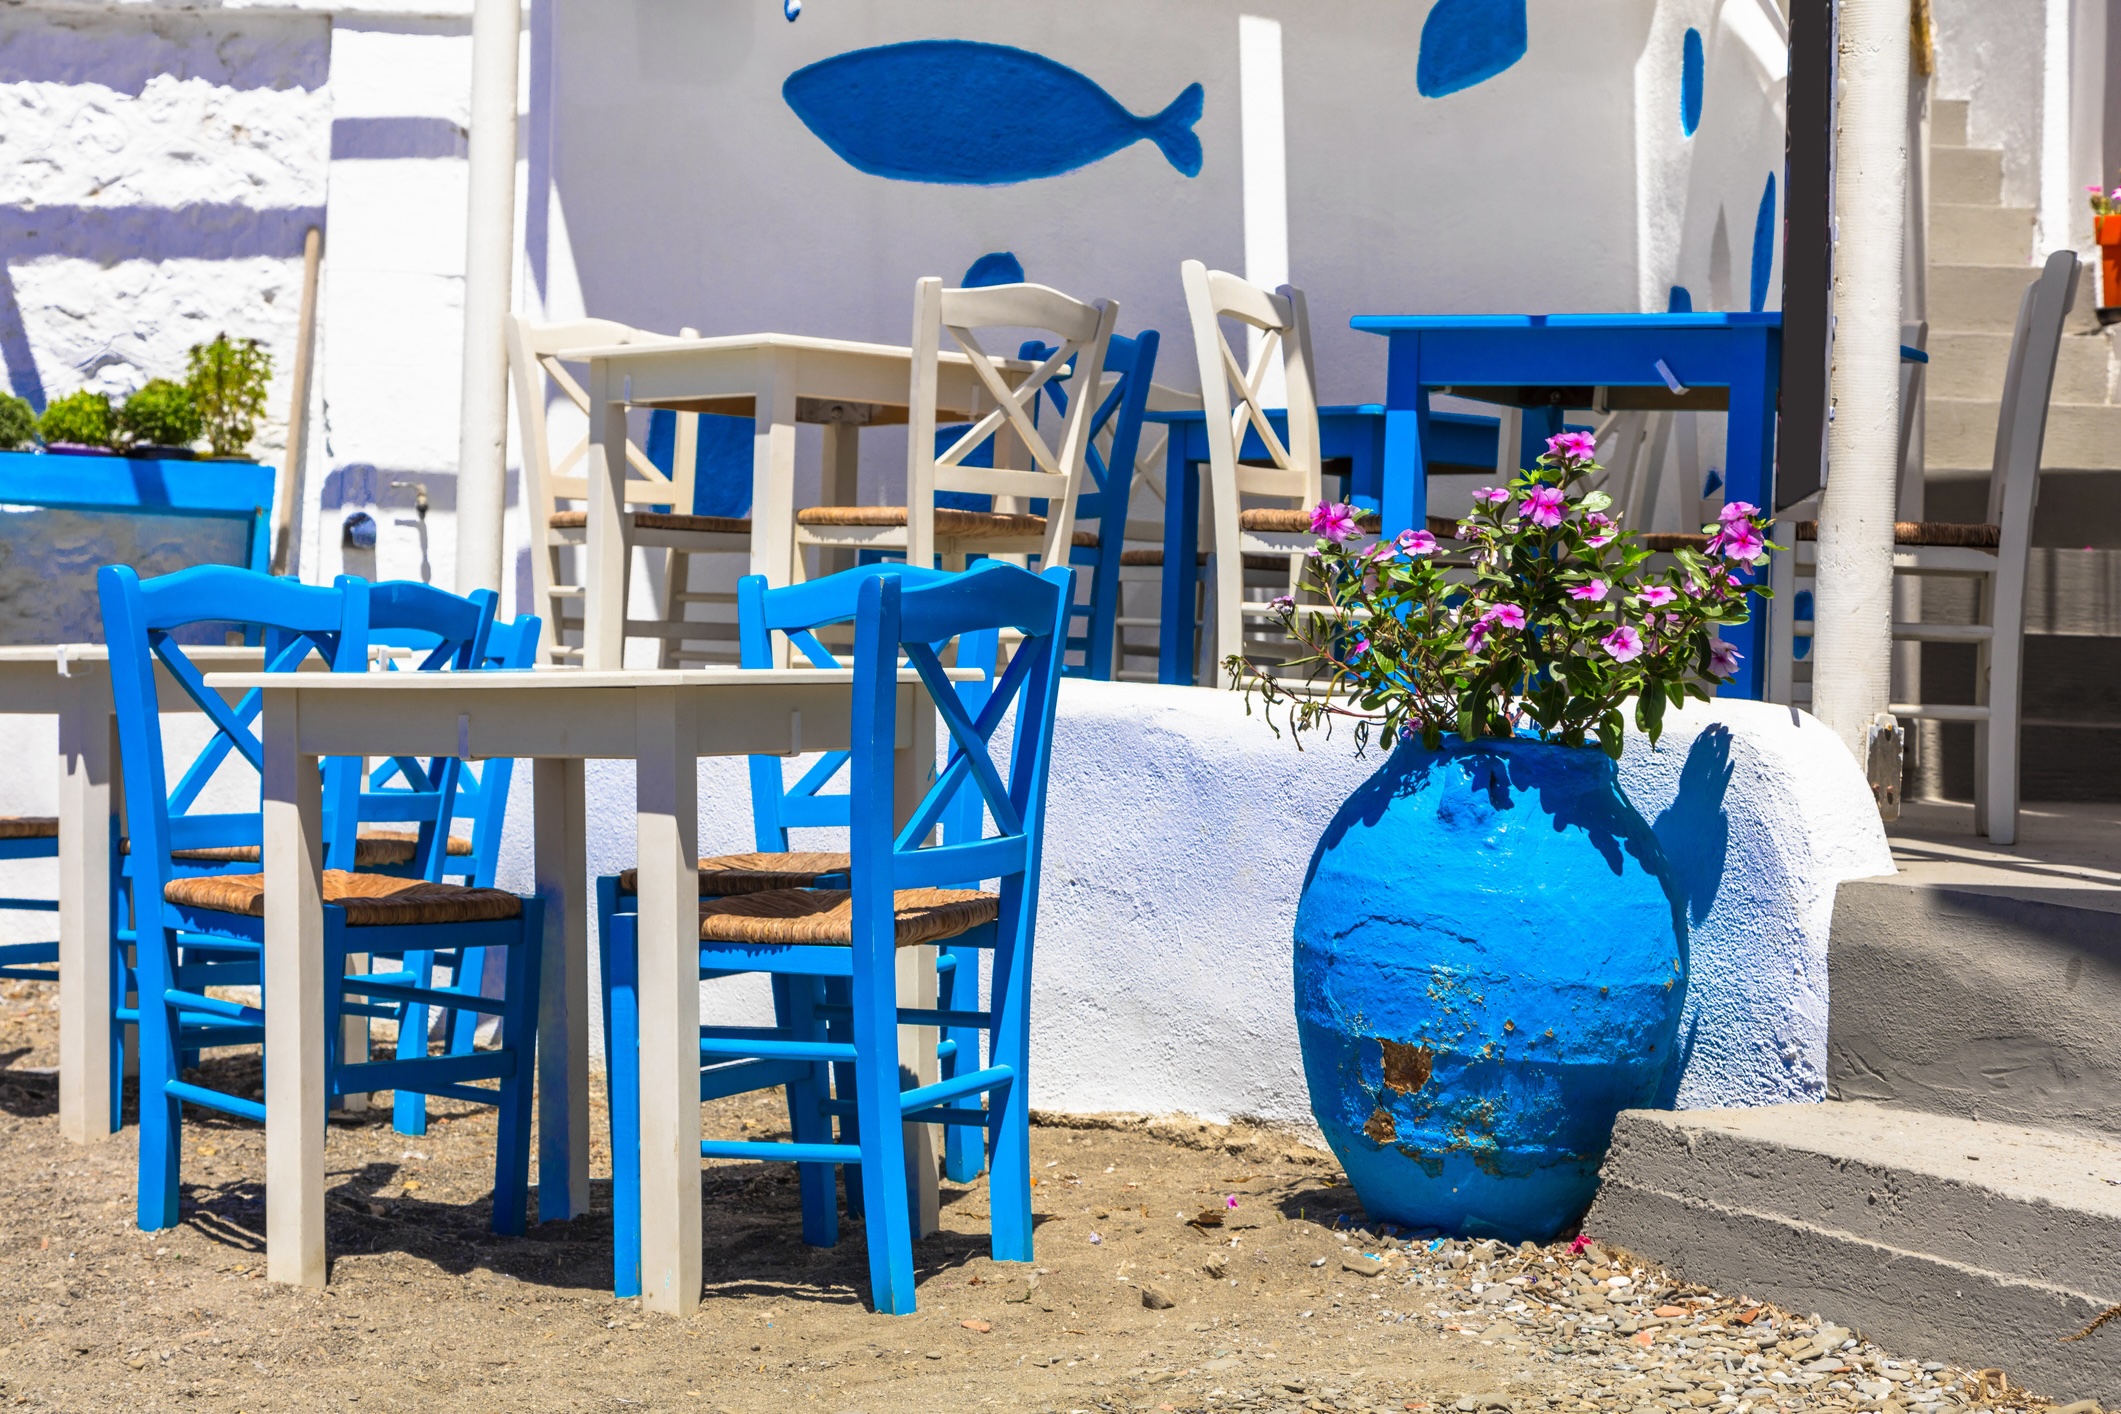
<point x="1489" y="967"/>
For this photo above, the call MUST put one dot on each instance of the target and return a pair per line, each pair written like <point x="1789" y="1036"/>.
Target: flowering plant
<point x="1553" y="627"/>
<point x="2104" y="202"/>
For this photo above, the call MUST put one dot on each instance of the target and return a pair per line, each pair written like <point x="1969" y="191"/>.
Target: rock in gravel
<point x="1216" y="1268"/>
<point x="1362" y="1264"/>
<point x="1155" y="1299"/>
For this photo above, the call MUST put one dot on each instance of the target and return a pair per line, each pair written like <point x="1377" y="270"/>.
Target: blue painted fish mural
<point x="1465" y="42"/>
<point x="961" y="112"/>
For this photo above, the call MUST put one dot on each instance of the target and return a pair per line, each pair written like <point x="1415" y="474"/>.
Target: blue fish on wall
<point x="1465" y="42"/>
<point x="961" y="112"/>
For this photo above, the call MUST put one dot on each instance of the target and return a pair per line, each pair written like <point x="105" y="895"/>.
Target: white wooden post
<point x="1852" y="637"/>
<point x="561" y="846"/>
<point x="86" y="754"/>
<point x="489" y="268"/>
<point x="667" y="791"/>
<point x="294" y="1002"/>
<point x="1265" y="146"/>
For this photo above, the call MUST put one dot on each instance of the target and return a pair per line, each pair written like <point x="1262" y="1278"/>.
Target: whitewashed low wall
<point x="1176" y="845"/>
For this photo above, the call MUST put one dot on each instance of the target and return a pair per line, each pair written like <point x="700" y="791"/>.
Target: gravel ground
<point x="1182" y="1267"/>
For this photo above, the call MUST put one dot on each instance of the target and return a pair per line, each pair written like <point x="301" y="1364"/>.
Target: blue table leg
<point x="1174" y="637"/>
<point x="1405" y="492"/>
<point x="1749" y="471"/>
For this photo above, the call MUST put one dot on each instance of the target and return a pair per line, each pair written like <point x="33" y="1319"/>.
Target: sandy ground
<point x="1276" y="1307"/>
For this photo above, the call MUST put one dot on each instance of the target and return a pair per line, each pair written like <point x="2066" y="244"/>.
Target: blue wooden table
<point x="1353" y="433"/>
<point x="1543" y="363"/>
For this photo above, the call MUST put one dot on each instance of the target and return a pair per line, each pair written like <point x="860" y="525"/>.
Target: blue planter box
<point x="64" y="517"/>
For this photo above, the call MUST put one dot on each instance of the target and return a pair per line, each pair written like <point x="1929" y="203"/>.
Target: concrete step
<point x="1979" y="1243"/>
<point x="1960" y="435"/>
<point x="1948" y="122"/>
<point x="1980" y="235"/>
<point x="1966" y="176"/>
<point x="1976" y="298"/>
<point x="1970" y="365"/>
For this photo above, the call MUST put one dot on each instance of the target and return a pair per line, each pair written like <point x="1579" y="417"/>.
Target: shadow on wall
<point x="1695" y="829"/>
<point x="111" y="234"/>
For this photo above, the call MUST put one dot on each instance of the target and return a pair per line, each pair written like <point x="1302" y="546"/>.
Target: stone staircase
<point x="1959" y="1196"/>
<point x="1981" y="259"/>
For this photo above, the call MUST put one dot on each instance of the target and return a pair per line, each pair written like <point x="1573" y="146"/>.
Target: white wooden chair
<point x="1992" y="554"/>
<point x="920" y="530"/>
<point x="556" y="528"/>
<point x="1253" y="546"/>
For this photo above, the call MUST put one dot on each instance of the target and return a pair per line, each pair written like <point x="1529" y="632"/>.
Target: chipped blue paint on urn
<point x="1490" y="964"/>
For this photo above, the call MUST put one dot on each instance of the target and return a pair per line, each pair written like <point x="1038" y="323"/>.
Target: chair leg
<point x="884" y="1199"/>
<point x="850" y="1126"/>
<point x="958" y="990"/>
<point x="1009" y="1108"/>
<point x="620" y="939"/>
<point x="519" y="1034"/>
<point x="807" y="1124"/>
<point x="462" y="1023"/>
<point x="408" y="1108"/>
<point x="161" y="1114"/>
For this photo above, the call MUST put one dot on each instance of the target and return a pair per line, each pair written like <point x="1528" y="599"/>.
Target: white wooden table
<point x="778" y="380"/>
<point x="664" y="721"/>
<point x="72" y="682"/>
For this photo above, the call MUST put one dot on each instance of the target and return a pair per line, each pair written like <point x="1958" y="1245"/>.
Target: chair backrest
<point x="898" y="620"/>
<point x="796" y="612"/>
<point x="533" y="358"/>
<point x="140" y="621"/>
<point x="2028" y="382"/>
<point x="448" y="632"/>
<point x="1079" y="333"/>
<point x="1231" y="388"/>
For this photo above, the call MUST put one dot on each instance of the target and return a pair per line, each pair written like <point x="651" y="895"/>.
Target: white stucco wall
<point x="1176" y="844"/>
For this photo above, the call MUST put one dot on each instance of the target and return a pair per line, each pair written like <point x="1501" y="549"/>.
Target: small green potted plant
<point x="78" y="424"/>
<point x="227" y="380"/>
<point x="18" y="424"/>
<point x="160" y="421"/>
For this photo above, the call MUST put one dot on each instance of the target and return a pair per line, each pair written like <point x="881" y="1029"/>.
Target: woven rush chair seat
<point x="376" y="849"/>
<point x="950" y="522"/>
<point x="659" y="520"/>
<point x="370" y="900"/>
<point x="1928" y="532"/>
<point x="1664" y="542"/>
<point x="726" y="874"/>
<point x="790" y="917"/>
<point x="29" y="827"/>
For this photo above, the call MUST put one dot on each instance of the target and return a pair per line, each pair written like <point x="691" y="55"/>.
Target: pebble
<point x="1155" y="1299"/>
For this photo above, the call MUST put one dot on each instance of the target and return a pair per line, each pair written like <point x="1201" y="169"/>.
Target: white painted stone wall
<point x="1176" y="844"/>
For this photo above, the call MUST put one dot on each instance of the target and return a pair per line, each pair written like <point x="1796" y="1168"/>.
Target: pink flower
<point x="1656" y="596"/>
<point x="1734" y="581"/>
<point x="1723" y="659"/>
<point x="1737" y="510"/>
<point x="1739" y="540"/>
<point x="1230" y="1201"/>
<point x="1583" y="1240"/>
<point x="1592" y="590"/>
<point x="1623" y="643"/>
<point x="2115" y="194"/>
<point x="1333" y="521"/>
<point x="1543" y="506"/>
<point x="1602" y="529"/>
<point x="1476" y="635"/>
<point x="1282" y="601"/>
<point x="1491" y="495"/>
<point x="1574" y="446"/>
<point x="1504" y="616"/>
<point x="1416" y="542"/>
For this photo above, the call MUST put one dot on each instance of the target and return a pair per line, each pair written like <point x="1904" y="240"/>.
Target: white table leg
<point x="294" y="1002"/>
<point x="86" y="1113"/>
<point x="606" y="568"/>
<point x="773" y="549"/>
<point x="561" y="845"/>
<point x="914" y="769"/>
<point x="841" y="482"/>
<point x="667" y="794"/>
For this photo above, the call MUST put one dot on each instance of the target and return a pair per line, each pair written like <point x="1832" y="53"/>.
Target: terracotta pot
<point x="2107" y="231"/>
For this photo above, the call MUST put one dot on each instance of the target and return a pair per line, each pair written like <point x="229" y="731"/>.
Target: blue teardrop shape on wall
<point x="973" y="114"/>
<point x="1690" y="66"/>
<point x="1680" y="301"/>
<point x="996" y="267"/>
<point x="793" y="9"/>
<point x="1763" y="246"/>
<point x="1465" y="42"/>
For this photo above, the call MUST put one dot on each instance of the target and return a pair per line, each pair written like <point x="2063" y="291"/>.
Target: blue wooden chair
<point x="902" y="893"/>
<point x="778" y="806"/>
<point x="29" y="837"/>
<point x="199" y="932"/>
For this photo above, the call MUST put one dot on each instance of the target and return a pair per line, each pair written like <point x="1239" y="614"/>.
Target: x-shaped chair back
<point x="141" y="620"/>
<point x="533" y="359"/>
<point x="1078" y="334"/>
<point x="1231" y="388"/>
